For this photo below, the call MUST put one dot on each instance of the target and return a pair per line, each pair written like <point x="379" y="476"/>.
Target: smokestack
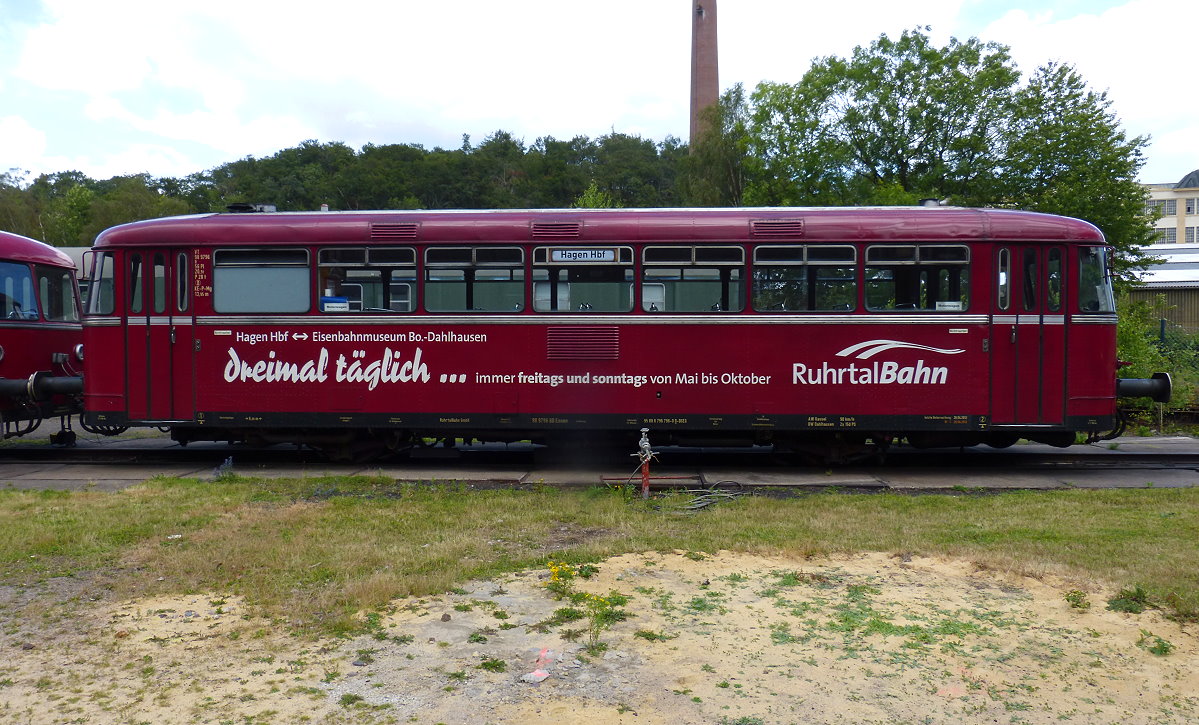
<point x="705" y="70"/>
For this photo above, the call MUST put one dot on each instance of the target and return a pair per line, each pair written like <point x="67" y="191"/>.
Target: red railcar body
<point x="806" y="327"/>
<point x="40" y="335"/>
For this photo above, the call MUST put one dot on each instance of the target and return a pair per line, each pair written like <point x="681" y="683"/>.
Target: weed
<point x="493" y="665"/>
<point x="1132" y="601"/>
<point x="651" y="636"/>
<point x="1154" y="644"/>
<point x="349" y="699"/>
<point x="1078" y="599"/>
<point x="572" y="635"/>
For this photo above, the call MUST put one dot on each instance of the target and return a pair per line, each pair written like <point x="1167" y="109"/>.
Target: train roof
<point x="16" y="248"/>
<point x="817" y="224"/>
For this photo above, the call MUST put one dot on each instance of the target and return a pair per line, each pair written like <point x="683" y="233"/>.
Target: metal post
<point x="646" y="453"/>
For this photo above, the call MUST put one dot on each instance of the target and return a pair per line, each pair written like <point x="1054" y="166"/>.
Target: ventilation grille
<point x="557" y="230"/>
<point x="386" y="232"/>
<point x="776" y="228"/>
<point x="582" y="343"/>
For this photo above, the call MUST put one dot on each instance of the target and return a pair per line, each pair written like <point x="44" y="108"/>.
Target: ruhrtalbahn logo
<point x="875" y="372"/>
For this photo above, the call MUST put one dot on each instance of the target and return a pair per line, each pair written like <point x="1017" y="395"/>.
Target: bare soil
<point x="726" y="638"/>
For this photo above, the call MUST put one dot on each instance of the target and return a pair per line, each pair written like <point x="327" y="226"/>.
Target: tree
<point x="1068" y="155"/>
<point x="17" y="211"/>
<point x="903" y="120"/>
<point x="713" y="173"/>
<point x="898" y="116"/>
<point x="595" y="198"/>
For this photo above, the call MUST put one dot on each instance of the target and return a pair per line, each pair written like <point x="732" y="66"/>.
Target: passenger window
<point x="362" y="279"/>
<point x="583" y="279"/>
<point x="260" y="280"/>
<point x="918" y="277"/>
<point x="797" y="278"/>
<point x="474" y="279"/>
<point x="56" y="290"/>
<point x="136" y="290"/>
<point x="17" y="301"/>
<point x="1030" y="280"/>
<point x="182" y="296"/>
<point x="692" y="279"/>
<point x="1053" y="281"/>
<point x="160" y="283"/>
<point x="1004" y="284"/>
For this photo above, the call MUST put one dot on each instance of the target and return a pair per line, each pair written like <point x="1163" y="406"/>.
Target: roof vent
<point x="776" y="228"/>
<point x="392" y="231"/>
<point x="557" y="230"/>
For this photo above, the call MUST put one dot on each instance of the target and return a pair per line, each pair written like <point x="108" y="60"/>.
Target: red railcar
<point x="829" y="329"/>
<point x="41" y="353"/>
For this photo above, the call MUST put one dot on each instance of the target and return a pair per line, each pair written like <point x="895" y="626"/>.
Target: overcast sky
<point x="172" y="88"/>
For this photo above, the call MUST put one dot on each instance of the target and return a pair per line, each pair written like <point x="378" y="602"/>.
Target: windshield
<point x="17" y="301"/>
<point x="1094" y="283"/>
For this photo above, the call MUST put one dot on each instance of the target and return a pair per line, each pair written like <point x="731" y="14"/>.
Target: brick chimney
<point x="705" y="70"/>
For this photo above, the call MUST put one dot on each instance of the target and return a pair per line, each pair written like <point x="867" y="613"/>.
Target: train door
<point x="153" y="341"/>
<point x="182" y="336"/>
<point x="1028" y="338"/>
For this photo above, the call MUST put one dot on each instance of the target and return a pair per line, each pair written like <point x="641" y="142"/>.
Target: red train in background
<point x="834" y="331"/>
<point x="41" y="351"/>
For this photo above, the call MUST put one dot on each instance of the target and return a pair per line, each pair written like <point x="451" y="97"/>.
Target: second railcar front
<point x="41" y="353"/>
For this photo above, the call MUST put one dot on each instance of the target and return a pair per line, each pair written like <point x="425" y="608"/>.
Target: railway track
<point x="1020" y="467"/>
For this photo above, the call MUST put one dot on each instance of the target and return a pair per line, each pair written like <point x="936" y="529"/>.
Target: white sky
<point x="172" y="88"/>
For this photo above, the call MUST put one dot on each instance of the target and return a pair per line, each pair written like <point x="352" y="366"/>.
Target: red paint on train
<point x="40" y="337"/>
<point x="811" y="328"/>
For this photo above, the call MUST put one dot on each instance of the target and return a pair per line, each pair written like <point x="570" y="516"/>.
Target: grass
<point x="318" y="552"/>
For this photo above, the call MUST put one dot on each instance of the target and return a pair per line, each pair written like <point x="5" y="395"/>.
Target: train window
<point x="1004" y="286"/>
<point x="17" y="301"/>
<point x="357" y="279"/>
<point x="796" y="278"/>
<point x="260" y="280"/>
<point x="692" y="279"/>
<point x="182" y="298"/>
<point x="583" y="279"/>
<point x="1030" y="279"/>
<point x="160" y="281"/>
<point x="922" y="277"/>
<point x="56" y="290"/>
<point x="474" y="279"/>
<point x="100" y="300"/>
<point x="136" y="288"/>
<point x="391" y="256"/>
<point x="1094" y="284"/>
<point x="1053" y="280"/>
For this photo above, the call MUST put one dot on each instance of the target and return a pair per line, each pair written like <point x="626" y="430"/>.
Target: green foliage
<point x="1140" y="344"/>
<point x="902" y="120"/>
<point x="1131" y="601"/>
<point x="1078" y="599"/>
<point x="595" y="198"/>
<point x="1154" y="644"/>
<point x="714" y="170"/>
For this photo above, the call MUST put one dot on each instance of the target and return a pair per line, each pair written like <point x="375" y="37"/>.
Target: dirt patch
<point x="729" y="638"/>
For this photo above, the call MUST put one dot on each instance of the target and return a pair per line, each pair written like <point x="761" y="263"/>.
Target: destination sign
<point x="582" y="255"/>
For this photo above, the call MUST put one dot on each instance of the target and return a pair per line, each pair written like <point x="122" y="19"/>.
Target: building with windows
<point x="1171" y="285"/>
<point x="1178" y="205"/>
